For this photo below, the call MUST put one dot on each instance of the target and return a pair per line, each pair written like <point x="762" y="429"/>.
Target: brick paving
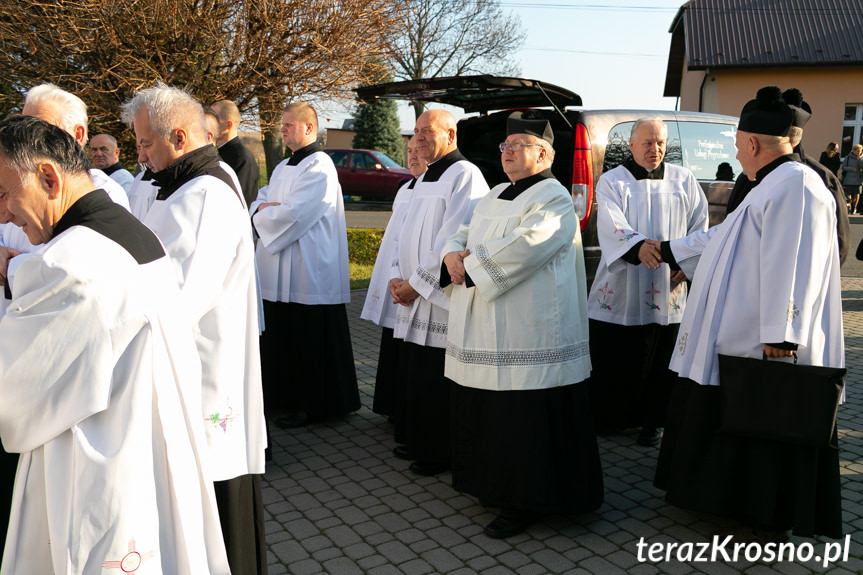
<point x="338" y="502"/>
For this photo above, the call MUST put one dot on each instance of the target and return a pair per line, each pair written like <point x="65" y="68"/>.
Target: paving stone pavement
<point x="338" y="502"/>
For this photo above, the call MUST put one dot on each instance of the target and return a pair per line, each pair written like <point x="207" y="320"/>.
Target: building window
<point x="852" y="127"/>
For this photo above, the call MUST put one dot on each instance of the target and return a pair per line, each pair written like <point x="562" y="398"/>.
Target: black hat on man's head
<point x="803" y="112"/>
<point x="516" y="124"/>
<point x="768" y="114"/>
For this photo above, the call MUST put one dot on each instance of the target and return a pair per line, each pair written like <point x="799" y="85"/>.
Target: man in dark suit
<point x="232" y="150"/>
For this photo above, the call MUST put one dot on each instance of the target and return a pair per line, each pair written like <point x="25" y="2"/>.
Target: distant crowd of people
<point x="155" y="324"/>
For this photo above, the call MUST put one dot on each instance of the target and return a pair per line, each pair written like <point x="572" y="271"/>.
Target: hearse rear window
<point x="700" y="146"/>
<point x="706" y="147"/>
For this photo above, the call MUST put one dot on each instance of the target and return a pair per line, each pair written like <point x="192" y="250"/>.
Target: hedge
<point x="363" y="245"/>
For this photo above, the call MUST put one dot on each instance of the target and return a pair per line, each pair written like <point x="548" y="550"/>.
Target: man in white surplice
<point x="302" y="254"/>
<point x="380" y="309"/>
<point x="200" y="217"/>
<point x="443" y="199"/>
<point x="99" y="382"/>
<point x="105" y="155"/>
<point x="767" y="283"/>
<point x="69" y="113"/>
<point x="636" y="303"/>
<point x="517" y="344"/>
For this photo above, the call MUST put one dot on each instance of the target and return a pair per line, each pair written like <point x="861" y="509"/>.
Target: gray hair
<point x="74" y="108"/>
<point x="645" y="120"/>
<point x="168" y="108"/>
<point x="549" y="149"/>
<point x="795" y="134"/>
<point x="26" y="140"/>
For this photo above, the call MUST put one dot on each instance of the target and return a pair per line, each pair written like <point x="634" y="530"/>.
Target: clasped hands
<point x="402" y="292"/>
<point x="454" y="262"/>
<point x="650" y="255"/>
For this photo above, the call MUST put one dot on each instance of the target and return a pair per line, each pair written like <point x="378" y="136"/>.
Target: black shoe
<point x="509" y="523"/>
<point x="402" y="452"/>
<point x="428" y="468"/>
<point x="649" y="437"/>
<point x="298" y="418"/>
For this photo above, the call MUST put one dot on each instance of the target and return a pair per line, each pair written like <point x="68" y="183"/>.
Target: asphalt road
<point x="365" y="218"/>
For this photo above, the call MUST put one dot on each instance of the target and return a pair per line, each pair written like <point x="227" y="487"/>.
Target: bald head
<point x="304" y="112"/>
<point x="212" y="120"/>
<point x="229" y="120"/>
<point x="435" y="133"/>
<point x="754" y="151"/>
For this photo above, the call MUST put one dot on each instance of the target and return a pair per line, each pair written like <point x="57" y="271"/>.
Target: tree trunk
<point x="419" y="108"/>
<point x="270" y="116"/>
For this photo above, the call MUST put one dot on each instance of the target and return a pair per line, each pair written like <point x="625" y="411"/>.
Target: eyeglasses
<point x="514" y="146"/>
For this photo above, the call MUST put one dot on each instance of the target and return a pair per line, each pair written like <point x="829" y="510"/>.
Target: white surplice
<point x="123" y="177"/>
<point x="630" y="211"/>
<point x="379" y="307"/>
<point x="115" y="191"/>
<point x="687" y="250"/>
<point x="142" y="194"/>
<point x="206" y="231"/>
<point x="438" y="207"/>
<point x="97" y="388"/>
<point x="524" y="324"/>
<point x="302" y="251"/>
<point x="770" y="274"/>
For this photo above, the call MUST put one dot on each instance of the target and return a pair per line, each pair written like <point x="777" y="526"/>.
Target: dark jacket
<point x="238" y="156"/>
<point x="843" y="227"/>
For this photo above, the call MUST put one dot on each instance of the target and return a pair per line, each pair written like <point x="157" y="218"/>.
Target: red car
<point x="369" y="174"/>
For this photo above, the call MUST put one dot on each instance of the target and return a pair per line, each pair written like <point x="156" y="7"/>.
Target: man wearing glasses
<point x="636" y="303"/>
<point x="517" y="344"/>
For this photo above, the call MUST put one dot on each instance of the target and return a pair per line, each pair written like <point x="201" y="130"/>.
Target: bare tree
<point x="454" y="38"/>
<point x="259" y="53"/>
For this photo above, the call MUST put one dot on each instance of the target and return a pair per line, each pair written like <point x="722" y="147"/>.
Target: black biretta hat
<point x="769" y="114"/>
<point x="802" y="113"/>
<point x="515" y="124"/>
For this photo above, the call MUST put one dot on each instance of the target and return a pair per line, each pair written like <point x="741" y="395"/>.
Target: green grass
<point x="360" y="275"/>
<point x="363" y="248"/>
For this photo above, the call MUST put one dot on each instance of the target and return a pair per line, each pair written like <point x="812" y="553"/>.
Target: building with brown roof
<point x="723" y="51"/>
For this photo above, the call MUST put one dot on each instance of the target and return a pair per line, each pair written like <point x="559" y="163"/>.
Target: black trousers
<point x="427" y="403"/>
<point x="241" y="513"/>
<point x="630" y="384"/>
<point x="307" y="361"/>
<point x="763" y="483"/>
<point x="532" y="450"/>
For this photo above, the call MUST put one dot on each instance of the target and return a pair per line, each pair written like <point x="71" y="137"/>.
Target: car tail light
<point x="582" y="175"/>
